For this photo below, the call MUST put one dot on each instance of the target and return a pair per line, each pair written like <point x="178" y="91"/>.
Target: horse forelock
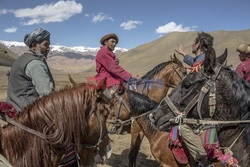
<point x="62" y="116"/>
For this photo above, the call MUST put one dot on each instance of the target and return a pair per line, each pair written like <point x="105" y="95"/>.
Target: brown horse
<point x="73" y="116"/>
<point x="169" y="74"/>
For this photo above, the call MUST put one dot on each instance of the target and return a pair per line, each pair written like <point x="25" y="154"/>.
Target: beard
<point x="39" y="51"/>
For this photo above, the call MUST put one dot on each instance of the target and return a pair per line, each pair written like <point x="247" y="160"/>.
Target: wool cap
<point x="108" y="36"/>
<point x="243" y="48"/>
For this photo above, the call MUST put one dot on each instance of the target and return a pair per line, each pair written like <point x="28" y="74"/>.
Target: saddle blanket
<point x="208" y="137"/>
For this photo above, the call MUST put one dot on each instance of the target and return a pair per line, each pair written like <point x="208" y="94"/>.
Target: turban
<point x="36" y="36"/>
<point x="108" y="36"/>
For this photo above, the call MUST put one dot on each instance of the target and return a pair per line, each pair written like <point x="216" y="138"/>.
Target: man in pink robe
<point x="107" y="65"/>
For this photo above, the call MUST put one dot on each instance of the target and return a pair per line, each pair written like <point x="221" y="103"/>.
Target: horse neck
<point x="163" y="78"/>
<point x="147" y="128"/>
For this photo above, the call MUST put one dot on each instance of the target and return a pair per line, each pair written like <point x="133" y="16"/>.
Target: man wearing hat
<point x="30" y="77"/>
<point x="243" y="69"/>
<point x="107" y="65"/>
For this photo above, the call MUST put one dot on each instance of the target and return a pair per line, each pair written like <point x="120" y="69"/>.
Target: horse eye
<point x="186" y="85"/>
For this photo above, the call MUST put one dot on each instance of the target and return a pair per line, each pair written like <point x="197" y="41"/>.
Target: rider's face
<point x="111" y="44"/>
<point x="43" y="47"/>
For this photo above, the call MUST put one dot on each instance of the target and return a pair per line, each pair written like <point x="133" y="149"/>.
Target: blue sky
<point x="136" y="22"/>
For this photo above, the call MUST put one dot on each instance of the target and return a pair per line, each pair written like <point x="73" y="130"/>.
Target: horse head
<point x="180" y="98"/>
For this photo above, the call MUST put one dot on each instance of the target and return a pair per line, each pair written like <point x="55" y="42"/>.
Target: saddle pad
<point x="8" y="109"/>
<point x="69" y="158"/>
<point x="180" y="155"/>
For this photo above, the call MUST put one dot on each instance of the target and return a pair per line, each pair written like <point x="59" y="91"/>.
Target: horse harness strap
<point x="186" y="109"/>
<point x="25" y="128"/>
<point x="198" y="98"/>
<point x="209" y="86"/>
<point x="172" y="106"/>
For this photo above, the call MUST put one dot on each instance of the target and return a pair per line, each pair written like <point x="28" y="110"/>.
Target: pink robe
<point x="106" y="66"/>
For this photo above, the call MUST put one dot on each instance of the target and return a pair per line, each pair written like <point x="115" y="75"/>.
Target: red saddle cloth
<point x="8" y="109"/>
<point x="180" y="152"/>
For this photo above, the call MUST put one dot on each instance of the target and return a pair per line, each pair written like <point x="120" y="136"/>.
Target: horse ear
<point x="73" y="83"/>
<point x="101" y="85"/>
<point x="171" y="58"/>
<point x="210" y="60"/>
<point x="222" y="59"/>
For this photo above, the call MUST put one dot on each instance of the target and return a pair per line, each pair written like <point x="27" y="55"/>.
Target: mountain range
<point x="138" y="60"/>
<point x="67" y="59"/>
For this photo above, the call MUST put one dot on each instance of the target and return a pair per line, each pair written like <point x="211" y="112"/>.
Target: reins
<point x="20" y="126"/>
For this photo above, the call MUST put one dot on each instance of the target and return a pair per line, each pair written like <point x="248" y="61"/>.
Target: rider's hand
<point x="180" y="50"/>
<point x="161" y="123"/>
<point x="136" y="76"/>
<point x="117" y="60"/>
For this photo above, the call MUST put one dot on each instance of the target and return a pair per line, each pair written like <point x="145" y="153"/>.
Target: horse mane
<point x="140" y="104"/>
<point x="49" y="115"/>
<point x="155" y="70"/>
<point x="241" y="102"/>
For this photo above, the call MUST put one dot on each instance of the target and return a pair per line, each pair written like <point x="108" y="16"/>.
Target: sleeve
<point x="189" y="60"/>
<point x="112" y="66"/>
<point x="39" y="74"/>
<point x="240" y="71"/>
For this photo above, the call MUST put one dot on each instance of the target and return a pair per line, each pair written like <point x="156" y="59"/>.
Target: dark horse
<point x="155" y="84"/>
<point x="158" y="140"/>
<point x="73" y="116"/>
<point x="232" y="103"/>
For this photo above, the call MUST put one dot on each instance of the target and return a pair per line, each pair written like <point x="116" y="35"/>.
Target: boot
<point x="204" y="162"/>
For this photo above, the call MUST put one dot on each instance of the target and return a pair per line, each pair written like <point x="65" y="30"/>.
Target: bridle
<point x="117" y="123"/>
<point x="198" y="98"/>
<point x="174" y="70"/>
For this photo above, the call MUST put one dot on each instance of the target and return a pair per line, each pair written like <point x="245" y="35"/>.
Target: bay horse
<point x="73" y="116"/>
<point x="232" y="104"/>
<point x="168" y="75"/>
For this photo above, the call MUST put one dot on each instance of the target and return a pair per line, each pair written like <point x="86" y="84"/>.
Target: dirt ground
<point x="120" y="152"/>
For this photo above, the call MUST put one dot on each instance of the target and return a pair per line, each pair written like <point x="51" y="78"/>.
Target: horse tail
<point x="71" y="80"/>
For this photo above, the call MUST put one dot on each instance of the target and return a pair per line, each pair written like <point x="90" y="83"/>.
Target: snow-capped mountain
<point x="20" y="47"/>
<point x="68" y="59"/>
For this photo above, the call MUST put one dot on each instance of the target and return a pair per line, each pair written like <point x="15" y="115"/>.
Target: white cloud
<point x="99" y="17"/>
<point x="172" y="26"/>
<point x="131" y="24"/>
<point x="10" y="29"/>
<point x="49" y="13"/>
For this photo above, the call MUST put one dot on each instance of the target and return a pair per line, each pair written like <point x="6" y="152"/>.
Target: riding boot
<point x="204" y="162"/>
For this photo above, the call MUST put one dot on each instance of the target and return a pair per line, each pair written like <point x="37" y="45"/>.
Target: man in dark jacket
<point x="30" y="77"/>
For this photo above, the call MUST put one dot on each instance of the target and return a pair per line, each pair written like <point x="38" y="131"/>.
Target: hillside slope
<point x="143" y="58"/>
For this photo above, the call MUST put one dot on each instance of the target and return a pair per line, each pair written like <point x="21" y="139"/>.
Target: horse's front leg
<point x="136" y="139"/>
